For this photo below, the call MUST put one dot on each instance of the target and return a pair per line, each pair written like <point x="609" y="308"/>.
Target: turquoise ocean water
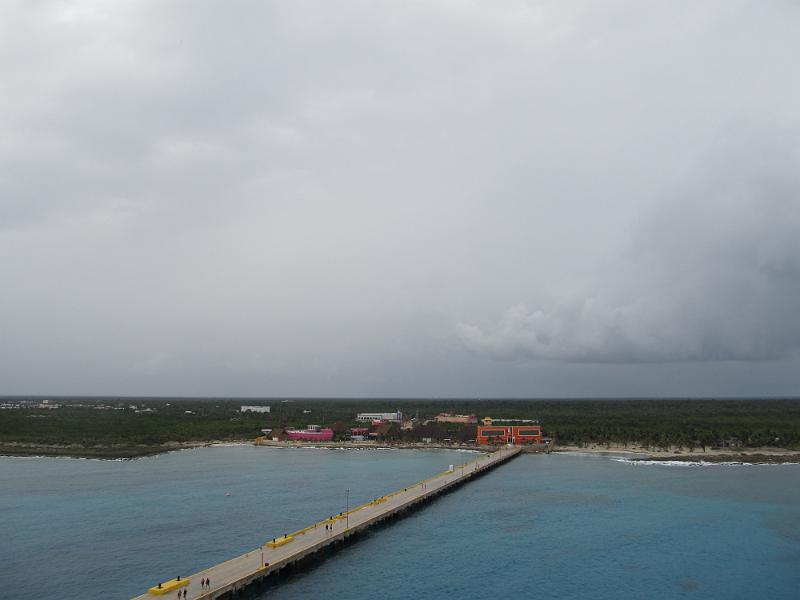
<point x="567" y="526"/>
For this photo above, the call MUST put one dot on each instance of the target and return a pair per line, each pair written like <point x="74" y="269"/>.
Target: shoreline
<point x="141" y="451"/>
<point x="97" y="452"/>
<point x="711" y="455"/>
<point x="633" y="452"/>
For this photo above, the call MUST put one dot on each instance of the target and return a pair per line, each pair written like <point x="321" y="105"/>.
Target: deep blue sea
<point x="565" y="526"/>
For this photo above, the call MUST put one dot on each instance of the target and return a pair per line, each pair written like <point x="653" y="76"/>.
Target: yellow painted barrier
<point x="168" y="586"/>
<point x="281" y="541"/>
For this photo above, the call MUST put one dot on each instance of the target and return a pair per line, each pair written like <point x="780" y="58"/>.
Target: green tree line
<point x="687" y="423"/>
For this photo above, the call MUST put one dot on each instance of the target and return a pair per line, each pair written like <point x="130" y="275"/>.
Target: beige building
<point x="450" y="418"/>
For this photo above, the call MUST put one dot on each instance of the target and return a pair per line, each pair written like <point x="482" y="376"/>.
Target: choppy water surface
<point x="565" y="526"/>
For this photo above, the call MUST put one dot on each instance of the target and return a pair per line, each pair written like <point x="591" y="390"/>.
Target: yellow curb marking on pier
<point x="281" y="541"/>
<point x="168" y="586"/>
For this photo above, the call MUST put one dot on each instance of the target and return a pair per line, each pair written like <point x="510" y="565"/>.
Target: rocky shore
<point x="102" y="452"/>
<point x="748" y="458"/>
<point x="710" y="455"/>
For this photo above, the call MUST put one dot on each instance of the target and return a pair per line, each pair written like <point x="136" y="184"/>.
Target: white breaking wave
<point x="698" y="463"/>
<point x="223" y="445"/>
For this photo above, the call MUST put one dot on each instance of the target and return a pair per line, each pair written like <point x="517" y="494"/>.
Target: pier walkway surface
<point x="234" y="575"/>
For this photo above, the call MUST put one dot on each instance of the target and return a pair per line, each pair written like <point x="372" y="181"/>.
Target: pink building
<point x="313" y="433"/>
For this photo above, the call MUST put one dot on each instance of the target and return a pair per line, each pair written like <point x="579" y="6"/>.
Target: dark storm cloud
<point x="712" y="273"/>
<point x="381" y="198"/>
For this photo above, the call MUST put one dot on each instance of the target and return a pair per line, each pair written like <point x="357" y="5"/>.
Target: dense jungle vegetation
<point x="654" y="423"/>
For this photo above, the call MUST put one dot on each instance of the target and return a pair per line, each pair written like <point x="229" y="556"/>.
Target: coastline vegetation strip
<point x="130" y="427"/>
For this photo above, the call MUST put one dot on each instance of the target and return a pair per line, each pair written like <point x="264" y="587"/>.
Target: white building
<point x="255" y="409"/>
<point x="392" y="417"/>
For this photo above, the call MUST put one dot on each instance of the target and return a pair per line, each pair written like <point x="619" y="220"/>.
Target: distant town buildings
<point x="255" y="409"/>
<point x="41" y="404"/>
<point x="450" y="418"/>
<point x="48" y="404"/>
<point x="392" y="417"/>
<point x="387" y="427"/>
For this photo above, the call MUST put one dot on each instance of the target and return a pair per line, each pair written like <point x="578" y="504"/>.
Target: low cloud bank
<point x="713" y="274"/>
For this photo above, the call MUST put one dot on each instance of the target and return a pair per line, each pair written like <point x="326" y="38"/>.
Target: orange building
<point x="509" y="434"/>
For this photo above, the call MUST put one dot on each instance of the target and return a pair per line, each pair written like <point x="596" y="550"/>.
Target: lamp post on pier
<point x="347" y="510"/>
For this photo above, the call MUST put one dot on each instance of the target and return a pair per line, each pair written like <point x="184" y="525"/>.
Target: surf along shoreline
<point x="767" y="455"/>
<point x="632" y="451"/>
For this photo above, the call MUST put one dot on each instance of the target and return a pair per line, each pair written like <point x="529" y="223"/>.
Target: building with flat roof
<point x="255" y="409"/>
<point x="451" y="418"/>
<point x="509" y="434"/>
<point x="312" y="433"/>
<point x="392" y="417"/>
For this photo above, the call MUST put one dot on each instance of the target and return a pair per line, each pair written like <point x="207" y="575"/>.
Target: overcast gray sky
<point x="434" y="198"/>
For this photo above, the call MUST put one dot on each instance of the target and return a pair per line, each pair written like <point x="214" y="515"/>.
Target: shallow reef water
<point x="561" y="525"/>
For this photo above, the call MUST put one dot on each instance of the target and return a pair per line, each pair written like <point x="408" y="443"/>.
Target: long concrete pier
<point x="286" y="551"/>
